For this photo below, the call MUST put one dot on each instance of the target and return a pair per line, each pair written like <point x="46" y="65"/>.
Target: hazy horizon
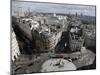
<point x="53" y="8"/>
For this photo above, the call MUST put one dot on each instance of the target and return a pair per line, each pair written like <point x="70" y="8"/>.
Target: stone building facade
<point x="76" y="37"/>
<point x="47" y="37"/>
<point x="75" y="44"/>
<point x="14" y="47"/>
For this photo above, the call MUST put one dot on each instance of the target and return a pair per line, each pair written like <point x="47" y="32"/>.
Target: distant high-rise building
<point x="19" y="12"/>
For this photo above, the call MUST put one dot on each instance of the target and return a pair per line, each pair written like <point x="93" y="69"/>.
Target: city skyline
<point x="53" y="8"/>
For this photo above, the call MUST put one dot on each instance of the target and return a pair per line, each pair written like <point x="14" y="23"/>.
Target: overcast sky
<point x="54" y="8"/>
